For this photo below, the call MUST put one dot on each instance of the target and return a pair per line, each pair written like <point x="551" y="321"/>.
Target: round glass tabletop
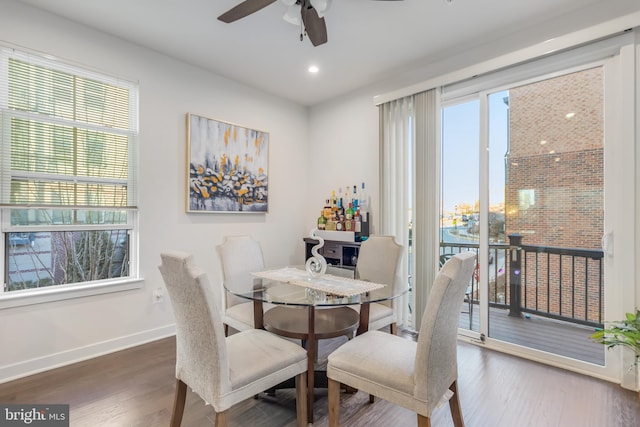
<point x="293" y="289"/>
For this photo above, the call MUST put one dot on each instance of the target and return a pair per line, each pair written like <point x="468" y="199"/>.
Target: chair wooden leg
<point x="393" y="328"/>
<point x="454" y="406"/>
<point x="301" y="399"/>
<point x="424" y="421"/>
<point x="334" y="403"/>
<point x="222" y="419"/>
<point x="178" y="403"/>
<point x="348" y="389"/>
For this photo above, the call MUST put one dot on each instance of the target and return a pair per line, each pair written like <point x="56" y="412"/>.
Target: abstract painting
<point x="228" y="167"/>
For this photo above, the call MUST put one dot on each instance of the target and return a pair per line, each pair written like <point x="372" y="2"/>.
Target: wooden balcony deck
<point x="553" y="336"/>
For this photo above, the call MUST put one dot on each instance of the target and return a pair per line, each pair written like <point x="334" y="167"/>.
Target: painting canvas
<point x="228" y="167"/>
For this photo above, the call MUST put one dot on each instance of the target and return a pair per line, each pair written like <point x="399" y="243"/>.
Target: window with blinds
<point x="68" y="193"/>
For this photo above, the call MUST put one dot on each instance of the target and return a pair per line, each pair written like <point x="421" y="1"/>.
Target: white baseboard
<point x="56" y="360"/>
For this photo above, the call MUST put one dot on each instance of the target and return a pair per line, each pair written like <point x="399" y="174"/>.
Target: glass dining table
<point x="291" y="303"/>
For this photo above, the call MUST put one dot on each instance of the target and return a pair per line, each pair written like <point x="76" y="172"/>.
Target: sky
<point x="461" y="147"/>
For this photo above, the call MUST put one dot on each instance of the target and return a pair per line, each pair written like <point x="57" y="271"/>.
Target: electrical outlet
<point x="158" y="295"/>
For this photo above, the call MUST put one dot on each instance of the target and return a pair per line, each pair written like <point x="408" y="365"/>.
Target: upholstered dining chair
<point x="379" y="261"/>
<point x="223" y="370"/>
<point x="415" y="375"/>
<point x="468" y="293"/>
<point x="239" y="257"/>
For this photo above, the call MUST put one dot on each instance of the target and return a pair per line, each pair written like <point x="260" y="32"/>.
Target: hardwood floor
<point x="135" y="388"/>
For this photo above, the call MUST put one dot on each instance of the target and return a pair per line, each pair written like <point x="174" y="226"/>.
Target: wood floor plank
<point x="135" y="388"/>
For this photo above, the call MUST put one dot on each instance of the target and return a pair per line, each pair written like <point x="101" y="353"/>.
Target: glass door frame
<point x="619" y="139"/>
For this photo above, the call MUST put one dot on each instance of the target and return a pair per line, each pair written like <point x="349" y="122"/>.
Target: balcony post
<point x="515" y="268"/>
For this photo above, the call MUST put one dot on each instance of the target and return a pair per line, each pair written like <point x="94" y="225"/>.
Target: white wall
<point x="343" y="149"/>
<point x="41" y="336"/>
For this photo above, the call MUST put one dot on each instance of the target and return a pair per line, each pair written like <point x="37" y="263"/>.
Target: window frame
<point x="78" y="289"/>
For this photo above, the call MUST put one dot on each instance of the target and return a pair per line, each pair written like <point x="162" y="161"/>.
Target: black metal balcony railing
<point x="559" y="283"/>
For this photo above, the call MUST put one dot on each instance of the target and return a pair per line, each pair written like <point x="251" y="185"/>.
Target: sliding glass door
<point x="552" y="176"/>
<point x="523" y="184"/>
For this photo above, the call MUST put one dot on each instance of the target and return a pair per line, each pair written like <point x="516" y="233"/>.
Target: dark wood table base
<point x="310" y="324"/>
<point x="293" y="322"/>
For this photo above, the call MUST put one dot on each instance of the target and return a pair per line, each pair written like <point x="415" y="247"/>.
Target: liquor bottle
<point x="348" y="224"/>
<point x="340" y="224"/>
<point x="349" y="212"/>
<point x="354" y="199"/>
<point x="363" y="204"/>
<point x="334" y="201"/>
<point x="350" y="219"/>
<point x="322" y="221"/>
<point x="327" y="212"/>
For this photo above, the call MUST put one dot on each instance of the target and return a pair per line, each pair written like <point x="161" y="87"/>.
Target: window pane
<point x="554" y="204"/>
<point x="42" y="259"/>
<point x="48" y="217"/>
<point x="67" y="193"/>
<point x="460" y="204"/>
<point x="54" y="93"/>
<point x="45" y="158"/>
<point x="63" y="150"/>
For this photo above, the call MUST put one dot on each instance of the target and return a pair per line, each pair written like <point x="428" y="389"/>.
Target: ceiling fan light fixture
<point x="292" y="15"/>
<point x="308" y="14"/>
<point x="321" y="6"/>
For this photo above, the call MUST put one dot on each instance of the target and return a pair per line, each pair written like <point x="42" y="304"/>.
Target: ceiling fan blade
<point x="245" y="8"/>
<point x="314" y="25"/>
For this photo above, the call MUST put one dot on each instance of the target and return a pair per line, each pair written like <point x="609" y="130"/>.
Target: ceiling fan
<point x="311" y="11"/>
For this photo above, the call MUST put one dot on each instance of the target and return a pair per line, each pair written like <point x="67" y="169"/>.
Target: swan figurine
<point x="316" y="265"/>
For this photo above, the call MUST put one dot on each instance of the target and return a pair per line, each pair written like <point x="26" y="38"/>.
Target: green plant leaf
<point x="625" y="333"/>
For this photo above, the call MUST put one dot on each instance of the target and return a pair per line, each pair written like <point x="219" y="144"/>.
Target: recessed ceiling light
<point x="543" y="142"/>
<point x="570" y="115"/>
<point x="313" y="69"/>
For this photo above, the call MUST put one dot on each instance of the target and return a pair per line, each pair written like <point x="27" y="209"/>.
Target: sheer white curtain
<point x="409" y="188"/>
<point x="426" y="207"/>
<point x="396" y="136"/>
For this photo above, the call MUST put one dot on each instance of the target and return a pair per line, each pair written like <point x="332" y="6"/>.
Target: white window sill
<point x="63" y="292"/>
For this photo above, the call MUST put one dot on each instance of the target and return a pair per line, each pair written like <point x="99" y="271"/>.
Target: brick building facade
<point x="555" y="184"/>
<point x="554" y="193"/>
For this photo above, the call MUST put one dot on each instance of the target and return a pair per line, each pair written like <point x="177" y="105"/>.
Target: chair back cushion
<point x="436" y="357"/>
<point x="379" y="261"/>
<point x="239" y="257"/>
<point x="201" y="353"/>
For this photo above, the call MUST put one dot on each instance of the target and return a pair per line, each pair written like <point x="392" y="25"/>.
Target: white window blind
<point x="68" y="135"/>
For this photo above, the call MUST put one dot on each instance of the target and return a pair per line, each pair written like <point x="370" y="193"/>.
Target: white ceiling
<point x="369" y="41"/>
